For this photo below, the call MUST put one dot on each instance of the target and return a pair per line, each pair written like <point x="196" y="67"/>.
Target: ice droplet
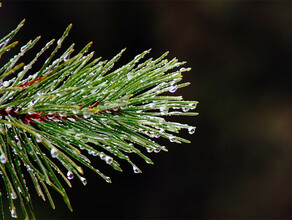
<point x="70" y="175"/>
<point x="191" y="130"/>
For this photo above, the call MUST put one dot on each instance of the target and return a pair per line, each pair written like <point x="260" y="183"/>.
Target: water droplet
<point x="151" y="134"/>
<point x="108" y="179"/>
<point x="62" y="114"/>
<point x="163" y="110"/>
<point x="86" y="115"/>
<point x="102" y="156"/>
<point x="185" y="109"/>
<point x="3" y="158"/>
<point x="54" y="152"/>
<point x="39" y="140"/>
<point x="172" y="89"/>
<point x="84" y="180"/>
<point x="149" y="150"/>
<point x="13" y="213"/>
<point x="172" y="139"/>
<point x="66" y="58"/>
<point x="5" y="83"/>
<point x="156" y="135"/>
<point x="136" y="169"/>
<point x="75" y="111"/>
<point x="77" y="136"/>
<point x="157" y="150"/>
<point x="164" y="148"/>
<point x="194" y="105"/>
<point x="23" y="48"/>
<point x="70" y="175"/>
<point x="50" y="115"/>
<point x="59" y="41"/>
<point x="108" y="159"/>
<point x="129" y="75"/>
<point x="151" y="105"/>
<point x="13" y="196"/>
<point x="191" y="130"/>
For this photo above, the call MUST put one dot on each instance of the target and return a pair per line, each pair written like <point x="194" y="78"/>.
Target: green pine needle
<point x="76" y="104"/>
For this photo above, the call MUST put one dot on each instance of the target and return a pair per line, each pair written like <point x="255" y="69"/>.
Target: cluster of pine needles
<point x="76" y="105"/>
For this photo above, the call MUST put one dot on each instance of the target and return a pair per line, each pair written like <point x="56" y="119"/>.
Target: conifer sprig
<point x="77" y="105"/>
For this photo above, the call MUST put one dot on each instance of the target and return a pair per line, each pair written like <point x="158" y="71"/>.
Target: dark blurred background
<point x="239" y="164"/>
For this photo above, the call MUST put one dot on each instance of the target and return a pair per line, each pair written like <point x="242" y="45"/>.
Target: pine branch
<point x="79" y="103"/>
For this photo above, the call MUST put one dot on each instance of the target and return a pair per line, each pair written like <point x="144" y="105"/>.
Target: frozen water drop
<point x="70" y="175"/>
